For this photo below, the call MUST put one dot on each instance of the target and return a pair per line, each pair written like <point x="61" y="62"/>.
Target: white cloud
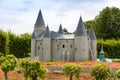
<point x="19" y="16"/>
<point x="115" y="3"/>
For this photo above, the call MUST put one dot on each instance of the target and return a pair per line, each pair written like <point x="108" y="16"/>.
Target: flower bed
<point x="84" y="64"/>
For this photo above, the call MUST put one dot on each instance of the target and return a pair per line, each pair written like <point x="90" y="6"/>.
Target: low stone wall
<point x="85" y="69"/>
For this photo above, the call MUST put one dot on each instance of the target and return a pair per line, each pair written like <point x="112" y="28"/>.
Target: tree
<point x="66" y="31"/>
<point x="32" y="69"/>
<point x="100" y="72"/>
<point x="108" y="23"/>
<point x="89" y="23"/>
<point x="71" y="70"/>
<point x="8" y="63"/>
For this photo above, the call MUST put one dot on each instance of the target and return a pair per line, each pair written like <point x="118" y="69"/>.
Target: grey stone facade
<point x="57" y="46"/>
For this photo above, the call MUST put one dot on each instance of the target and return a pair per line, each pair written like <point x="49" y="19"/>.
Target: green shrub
<point x="110" y="47"/>
<point x="71" y="70"/>
<point x="117" y="74"/>
<point x="32" y="69"/>
<point x="7" y="63"/>
<point x="100" y="72"/>
<point x="1" y="54"/>
<point x="116" y="60"/>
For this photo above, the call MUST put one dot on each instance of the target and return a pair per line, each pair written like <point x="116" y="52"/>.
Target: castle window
<point x="63" y="46"/>
<point x="38" y="47"/>
<point x="56" y="40"/>
<point x="75" y="49"/>
<point x="40" y="43"/>
<point x="70" y="46"/>
<point x="57" y="46"/>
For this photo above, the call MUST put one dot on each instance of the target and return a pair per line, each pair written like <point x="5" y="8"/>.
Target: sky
<point x="19" y="16"/>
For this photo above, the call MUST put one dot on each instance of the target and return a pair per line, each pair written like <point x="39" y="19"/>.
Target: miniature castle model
<point x="57" y="46"/>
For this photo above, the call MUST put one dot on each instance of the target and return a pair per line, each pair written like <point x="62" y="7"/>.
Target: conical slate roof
<point x="92" y="34"/>
<point x="80" y="30"/>
<point x="47" y="32"/>
<point x="33" y="35"/>
<point x="60" y="29"/>
<point x="39" y="21"/>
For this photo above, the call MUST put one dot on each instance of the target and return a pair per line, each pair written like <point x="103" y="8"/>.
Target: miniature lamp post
<point x="101" y="57"/>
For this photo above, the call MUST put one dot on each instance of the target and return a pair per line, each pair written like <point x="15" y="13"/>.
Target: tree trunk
<point x="34" y="78"/>
<point x="71" y="76"/>
<point x="5" y="74"/>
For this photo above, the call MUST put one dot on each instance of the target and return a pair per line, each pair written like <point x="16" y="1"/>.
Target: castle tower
<point x="60" y="31"/>
<point x="93" y="44"/>
<point x="81" y="42"/>
<point x="39" y="25"/>
<point x="47" y="45"/>
<point x="33" y="44"/>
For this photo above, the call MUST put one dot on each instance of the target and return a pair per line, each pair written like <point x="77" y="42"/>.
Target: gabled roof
<point x="60" y="31"/>
<point x="47" y="32"/>
<point x="40" y="20"/>
<point x="92" y="34"/>
<point x="80" y="30"/>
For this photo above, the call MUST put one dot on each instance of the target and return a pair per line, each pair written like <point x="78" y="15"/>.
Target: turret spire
<point x="33" y="35"/>
<point x="47" y="32"/>
<point x="92" y="34"/>
<point x="60" y="29"/>
<point x="39" y="21"/>
<point x="80" y="30"/>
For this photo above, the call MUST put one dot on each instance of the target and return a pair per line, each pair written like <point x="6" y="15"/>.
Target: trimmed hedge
<point x="110" y="47"/>
<point x="19" y="45"/>
<point x="3" y="42"/>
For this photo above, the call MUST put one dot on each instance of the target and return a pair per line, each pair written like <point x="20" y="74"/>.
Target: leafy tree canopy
<point x="108" y="23"/>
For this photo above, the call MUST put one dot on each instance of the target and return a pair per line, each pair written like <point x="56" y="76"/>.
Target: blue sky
<point x="19" y="16"/>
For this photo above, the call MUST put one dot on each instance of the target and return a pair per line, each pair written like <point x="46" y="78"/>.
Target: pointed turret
<point x="33" y="35"/>
<point x="60" y="31"/>
<point x="92" y="34"/>
<point x="47" y="32"/>
<point x="40" y="20"/>
<point x="80" y="30"/>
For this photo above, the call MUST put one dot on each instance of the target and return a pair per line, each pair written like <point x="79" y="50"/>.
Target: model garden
<point x="15" y="48"/>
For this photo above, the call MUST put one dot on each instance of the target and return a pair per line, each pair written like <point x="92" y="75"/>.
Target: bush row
<point x="110" y="47"/>
<point x="3" y="42"/>
<point x="18" y="45"/>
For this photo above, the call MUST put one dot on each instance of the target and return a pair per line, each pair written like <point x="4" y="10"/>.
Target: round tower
<point x="93" y="43"/>
<point x="47" y="45"/>
<point x="33" y="44"/>
<point x="81" y="43"/>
